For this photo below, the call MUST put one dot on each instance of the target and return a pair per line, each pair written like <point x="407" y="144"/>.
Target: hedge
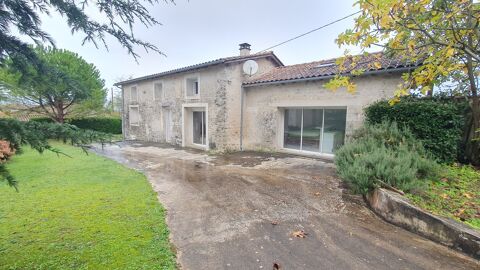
<point x="107" y="125"/>
<point x="103" y="124"/>
<point x="437" y="122"/>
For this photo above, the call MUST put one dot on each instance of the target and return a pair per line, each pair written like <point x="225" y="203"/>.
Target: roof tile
<point x="373" y="62"/>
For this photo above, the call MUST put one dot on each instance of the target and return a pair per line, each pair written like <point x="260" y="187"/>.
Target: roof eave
<point x="170" y="72"/>
<point x="196" y="67"/>
<point x="319" y="78"/>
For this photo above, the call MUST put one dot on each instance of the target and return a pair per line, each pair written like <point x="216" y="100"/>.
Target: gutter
<point x="123" y="113"/>
<point x="383" y="71"/>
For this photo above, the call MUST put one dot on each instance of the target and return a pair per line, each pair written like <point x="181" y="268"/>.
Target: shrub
<point x="103" y="124"/>
<point x="437" y="123"/>
<point x="384" y="155"/>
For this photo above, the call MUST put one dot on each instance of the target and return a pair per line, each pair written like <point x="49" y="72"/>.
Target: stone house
<point x="253" y="102"/>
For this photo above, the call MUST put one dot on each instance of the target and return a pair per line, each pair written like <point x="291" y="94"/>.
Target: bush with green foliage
<point x="384" y="155"/>
<point x="110" y="125"/>
<point x="437" y="122"/>
<point x="102" y="124"/>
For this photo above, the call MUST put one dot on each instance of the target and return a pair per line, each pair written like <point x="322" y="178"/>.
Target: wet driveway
<point x="239" y="211"/>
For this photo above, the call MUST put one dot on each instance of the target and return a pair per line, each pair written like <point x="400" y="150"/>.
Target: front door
<point x="199" y="128"/>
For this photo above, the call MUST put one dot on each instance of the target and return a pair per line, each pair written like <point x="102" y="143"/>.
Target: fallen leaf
<point x="445" y="196"/>
<point x="459" y="212"/>
<point x="468" y="195"/>
<point x="317" y="193"/>
<point x="299" y="234"/>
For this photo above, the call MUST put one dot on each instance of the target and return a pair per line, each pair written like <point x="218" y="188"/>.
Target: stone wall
<point x="220" y="88"/>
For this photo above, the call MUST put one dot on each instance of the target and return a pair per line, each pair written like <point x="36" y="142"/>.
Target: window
<point x="134" y="116"/>
<point x="314" y="129"/>
<point x="192" y="87"/>
<point x="133" y="94"/>
<point x="158" y="91"/>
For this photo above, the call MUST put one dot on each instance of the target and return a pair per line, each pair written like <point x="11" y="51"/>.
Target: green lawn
<point x="85" y="212"/>
<point x="455" y="195"/>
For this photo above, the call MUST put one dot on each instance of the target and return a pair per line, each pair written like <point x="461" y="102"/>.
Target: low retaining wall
<point x="396" y="209"/>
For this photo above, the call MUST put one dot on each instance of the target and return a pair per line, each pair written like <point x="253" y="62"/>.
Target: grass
<point x="84" y="212"/>
<point x="455" y="195"/>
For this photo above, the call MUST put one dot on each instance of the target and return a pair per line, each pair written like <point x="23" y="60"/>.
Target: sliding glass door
<point x="319" y="130"/>
<point x="293" y="128"/>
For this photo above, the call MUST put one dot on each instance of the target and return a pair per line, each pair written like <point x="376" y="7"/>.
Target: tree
<point x="444" y="35"/>
<point x="60" y="80"/>
<point x="22" y="18"/>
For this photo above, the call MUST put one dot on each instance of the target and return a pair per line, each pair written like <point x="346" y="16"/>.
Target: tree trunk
<point x="472" y="149"/>
<point x="473" y="143"/>
<point x="60" y="117"/>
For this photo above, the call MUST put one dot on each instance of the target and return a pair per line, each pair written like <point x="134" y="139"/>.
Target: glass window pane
<point x="199" y="128"/>
<point x="292" y="128"/>
<point x="334" y="129"/>
<point x="193" y="87"/>
<point x="312" y="127"/>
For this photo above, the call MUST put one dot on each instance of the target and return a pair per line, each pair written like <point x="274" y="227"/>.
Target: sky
<point x="195" y="31"/>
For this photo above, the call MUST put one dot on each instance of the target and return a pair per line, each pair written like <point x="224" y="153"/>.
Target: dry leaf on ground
<point x="299" y="234"/>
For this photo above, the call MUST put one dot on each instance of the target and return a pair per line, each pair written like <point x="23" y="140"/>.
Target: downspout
<point x="242" y="91"/>
<point x="123" y="113"/>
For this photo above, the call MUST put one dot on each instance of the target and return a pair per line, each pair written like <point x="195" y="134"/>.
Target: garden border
<point x="397" y="210"/>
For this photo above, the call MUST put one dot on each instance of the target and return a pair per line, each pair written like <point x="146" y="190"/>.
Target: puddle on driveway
<point x="221" y="210"/>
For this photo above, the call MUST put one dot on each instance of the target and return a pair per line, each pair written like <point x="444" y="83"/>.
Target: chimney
<point x="244" y="49"/>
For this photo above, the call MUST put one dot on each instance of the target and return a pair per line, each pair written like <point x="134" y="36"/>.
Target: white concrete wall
<point x="263" y="116"/>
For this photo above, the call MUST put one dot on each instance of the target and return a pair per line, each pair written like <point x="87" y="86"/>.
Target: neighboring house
<point x="215" y="105"/>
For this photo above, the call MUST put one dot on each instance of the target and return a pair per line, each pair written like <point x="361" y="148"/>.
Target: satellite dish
<point x="250" y="67"/>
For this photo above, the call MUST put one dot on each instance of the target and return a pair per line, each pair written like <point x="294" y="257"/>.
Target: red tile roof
<point x="371" y="63"/>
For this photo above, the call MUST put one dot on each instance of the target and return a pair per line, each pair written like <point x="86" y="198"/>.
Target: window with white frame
<point x="134" y="116"/>
<point x="192" y="87"/>
<point x="158" y="91"/>
<point x="133" y="94"/>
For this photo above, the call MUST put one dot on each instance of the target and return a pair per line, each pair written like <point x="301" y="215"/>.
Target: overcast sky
<point x="196" y="31"/>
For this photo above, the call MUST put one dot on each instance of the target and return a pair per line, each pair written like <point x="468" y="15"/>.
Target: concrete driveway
<point x="238" y="211"/>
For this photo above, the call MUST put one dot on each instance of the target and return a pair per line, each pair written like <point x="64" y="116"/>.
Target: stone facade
<point x="169" y="118"/>
<point x="220" y="89"/>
